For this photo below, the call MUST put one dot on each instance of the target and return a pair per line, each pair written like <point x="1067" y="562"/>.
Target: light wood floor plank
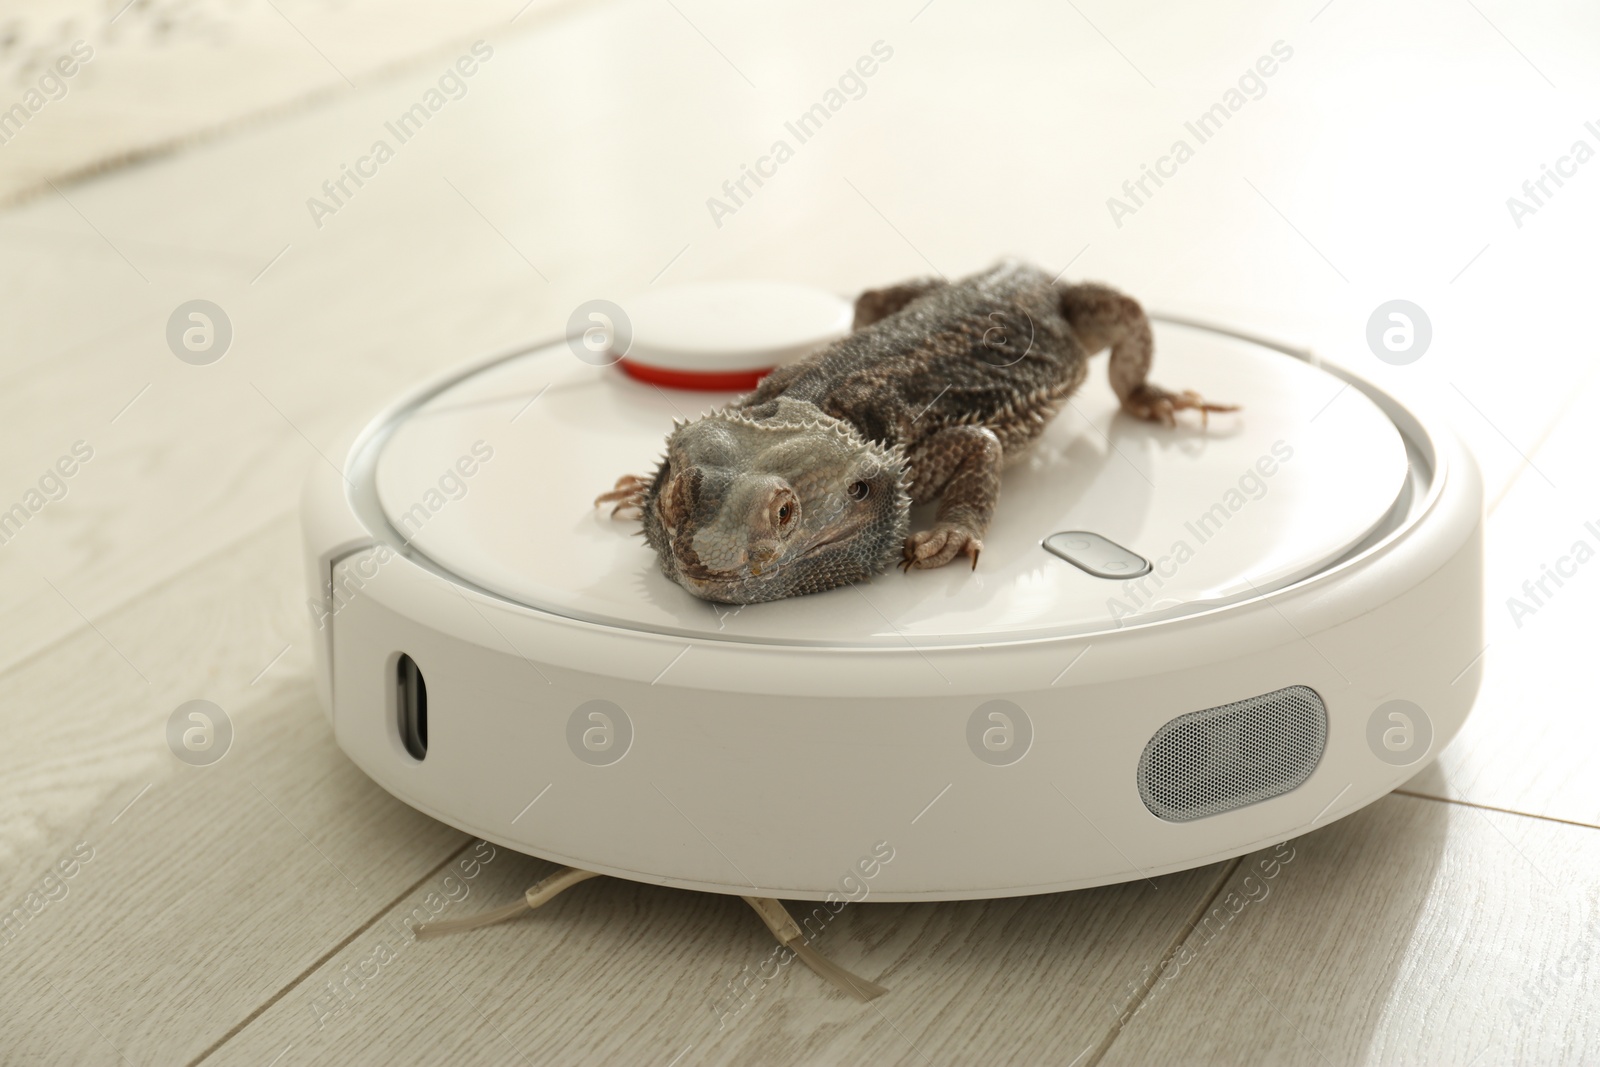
<point x="616" y="972"/>
<point x="124" y="101"/>
<point x="209" y="888"/>
<point x="1414" y="931"/>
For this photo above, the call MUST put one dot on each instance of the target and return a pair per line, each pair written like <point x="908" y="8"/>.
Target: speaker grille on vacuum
<point x="1226" y="757"/>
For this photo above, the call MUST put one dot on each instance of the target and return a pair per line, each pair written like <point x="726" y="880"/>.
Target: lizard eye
<point x="784" y="510"/>
<point x="859" y="490"/>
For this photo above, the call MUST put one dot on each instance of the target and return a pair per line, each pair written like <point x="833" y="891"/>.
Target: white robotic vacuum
<point x="1180" y="645"/>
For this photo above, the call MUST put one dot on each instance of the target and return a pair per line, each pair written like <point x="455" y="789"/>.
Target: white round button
<point x="733" y="325"/>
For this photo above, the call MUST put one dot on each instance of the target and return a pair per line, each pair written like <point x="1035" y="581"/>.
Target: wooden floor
<point x="255" y="911"/>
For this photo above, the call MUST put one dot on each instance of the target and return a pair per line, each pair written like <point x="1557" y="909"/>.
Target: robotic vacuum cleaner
<point x="1180" y="645"/>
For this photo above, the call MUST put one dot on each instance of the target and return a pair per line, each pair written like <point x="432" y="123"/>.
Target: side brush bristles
<point x="542" y="892"/>
<point x="790" y="936"/>
<point x="773" y="913"/>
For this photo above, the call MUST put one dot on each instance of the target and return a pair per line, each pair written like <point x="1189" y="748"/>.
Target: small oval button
<point x="1096" y="555"/>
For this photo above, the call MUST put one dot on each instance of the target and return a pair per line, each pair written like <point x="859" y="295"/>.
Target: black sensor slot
<point x="412" y="704"/>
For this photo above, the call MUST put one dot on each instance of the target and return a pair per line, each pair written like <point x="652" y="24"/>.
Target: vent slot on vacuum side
<point x="1208" y="762"/>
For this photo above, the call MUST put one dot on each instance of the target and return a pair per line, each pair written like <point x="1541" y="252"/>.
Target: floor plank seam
<point x="1502" y="811"/>
<point x="316" y="964"/>
<point x="49" y="647"/>
<point x="1131" y="1009"/>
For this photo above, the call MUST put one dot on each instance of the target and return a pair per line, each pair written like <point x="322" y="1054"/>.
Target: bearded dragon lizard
<point x="807" y="483"/>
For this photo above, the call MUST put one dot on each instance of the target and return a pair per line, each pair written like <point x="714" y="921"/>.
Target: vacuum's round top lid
<point x="731" y="325"/>
<point x="493" y="479"/>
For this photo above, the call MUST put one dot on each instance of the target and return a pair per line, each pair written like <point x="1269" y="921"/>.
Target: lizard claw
<point x="927" y="549"/>
<point x="628" y="496"/>
<point x="1155" y="404"/>
<point x="626" y="486"/>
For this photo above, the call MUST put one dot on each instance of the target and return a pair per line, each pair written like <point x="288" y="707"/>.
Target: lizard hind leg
<point x="1101" y="317"/>
<point x="627" y="496"/>
<point x="874" y="305"/>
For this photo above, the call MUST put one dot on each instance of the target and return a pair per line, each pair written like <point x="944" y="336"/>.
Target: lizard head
<point x="772" y="502"/>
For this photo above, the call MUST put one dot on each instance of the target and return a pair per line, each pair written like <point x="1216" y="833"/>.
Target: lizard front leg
<point x="960" y="465"/>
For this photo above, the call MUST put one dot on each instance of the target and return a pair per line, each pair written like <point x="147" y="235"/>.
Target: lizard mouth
<point x="703" y="575"/>
<point x="827" y="542"/>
